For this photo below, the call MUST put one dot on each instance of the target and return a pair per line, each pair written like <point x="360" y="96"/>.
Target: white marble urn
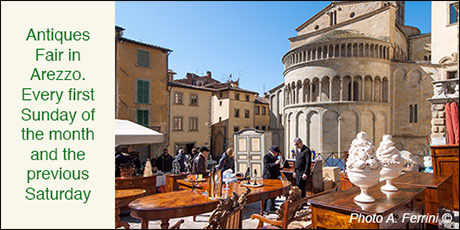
<point x="363" y="167"/>
<point x="391" y="160"/>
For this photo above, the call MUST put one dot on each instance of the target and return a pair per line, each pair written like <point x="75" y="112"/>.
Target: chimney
<point x="265" y="95"/>
<point x="208" y="74"/>
<point x="189" y="78"/>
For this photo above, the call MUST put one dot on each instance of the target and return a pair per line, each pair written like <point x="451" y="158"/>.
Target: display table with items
<point x="390" y="209"/>
<point x="438" y="195"/>
<point x="192" y="201"/>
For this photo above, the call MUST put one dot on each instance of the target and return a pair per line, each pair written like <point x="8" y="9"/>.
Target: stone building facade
<point x="355" y="66"/>
<point x="141" y="92"/>
<point x="261" y="113"/>
<point x="190" y="120"/>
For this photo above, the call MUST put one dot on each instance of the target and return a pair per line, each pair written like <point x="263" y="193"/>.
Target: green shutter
<point x="139" y="57"/>
<point x="146" y="91"/>
<point x="147" y="59"/>
<point x="139" y="117"/>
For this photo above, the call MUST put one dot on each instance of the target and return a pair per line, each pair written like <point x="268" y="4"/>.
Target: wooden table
<point x="122" y="198"/>
<point x="165" y="206"/>
<point x="335" y="210"/>
<point x="438" y="194"/>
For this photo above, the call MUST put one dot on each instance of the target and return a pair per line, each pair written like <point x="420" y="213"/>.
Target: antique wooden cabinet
<point x="445" y="162"/>
<point x="438" y="193"/>
<point x="339" y="210"/>
<point x="250" y="147"/>
<point x="171" y="181"/>
<point x="141" y="182"/>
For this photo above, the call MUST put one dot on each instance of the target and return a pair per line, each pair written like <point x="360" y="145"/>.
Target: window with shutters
<point x="143" y="117"/>
<point x="178" y="123"/>
<point x="237" y="113"/>
<point x="143" y="58"/>
<point x="142" y="91"/>
<point x="257" y="110"/>
<point x="178" y="98"/>
<point x="193" y="100"/>
<point x="246" y="113"/>
<point x="193" y="124"/>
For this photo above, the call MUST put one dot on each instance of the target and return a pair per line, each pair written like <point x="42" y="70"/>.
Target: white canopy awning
<point x="129" y="133"/>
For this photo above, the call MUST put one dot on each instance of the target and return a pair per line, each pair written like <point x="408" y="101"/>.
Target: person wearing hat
<point x="272" y="166"/>
<point x="200" y="163"/>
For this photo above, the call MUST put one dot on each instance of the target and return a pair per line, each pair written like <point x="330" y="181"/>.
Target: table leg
<point x="262" y="207"/>
<point x="144" y="223"/>
<point x="164" y="223"/>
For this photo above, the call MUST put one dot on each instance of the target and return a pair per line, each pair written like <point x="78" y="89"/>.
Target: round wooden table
<point x="122" y="198"/>
<point x="165" y="206"/>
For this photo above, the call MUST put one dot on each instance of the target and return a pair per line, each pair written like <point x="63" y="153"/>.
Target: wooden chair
<point x="291" y="211"/>
<point x="229" y="213"/>
<point x="177" y="224"/>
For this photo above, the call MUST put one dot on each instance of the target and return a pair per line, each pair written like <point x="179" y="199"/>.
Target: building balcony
<point x="445" y="90"/>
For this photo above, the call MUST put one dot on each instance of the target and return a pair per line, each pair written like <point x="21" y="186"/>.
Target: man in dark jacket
<point x="200" y="163"/>
<point x="302" y="164"/>
<point x="272" y="165"/>
<point x="164" y="162"/>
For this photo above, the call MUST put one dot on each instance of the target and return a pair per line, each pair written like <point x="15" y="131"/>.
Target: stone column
<point x="303" y="92"/>
<point x="330" y="89"/>
<point x="340" y="51"/>
<point x="351" y="88"/>
<point x="333" y="50"/>
<point x="311" y="91"/>
<point x="341" y="89"/>
<point x="320" y="92"/>
<point x="372" y="89"/>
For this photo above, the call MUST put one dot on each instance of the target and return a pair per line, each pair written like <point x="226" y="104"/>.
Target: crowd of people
<point x="197" y="160"/>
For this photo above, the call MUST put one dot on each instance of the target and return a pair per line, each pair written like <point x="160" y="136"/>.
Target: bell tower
<point x="400" y="12"/>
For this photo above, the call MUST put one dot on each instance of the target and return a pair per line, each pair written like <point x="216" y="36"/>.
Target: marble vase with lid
<point x="391" y="160"/>
<point x="363" y="167"/>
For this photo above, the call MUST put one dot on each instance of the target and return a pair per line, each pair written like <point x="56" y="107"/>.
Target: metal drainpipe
<point x="169" y="99"/>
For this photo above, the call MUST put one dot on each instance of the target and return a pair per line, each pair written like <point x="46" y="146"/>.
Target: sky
<point x="244" y="39"/>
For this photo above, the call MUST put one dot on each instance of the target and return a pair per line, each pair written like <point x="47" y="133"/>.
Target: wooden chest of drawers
<point x="336" y="210"/>
<point x="445" y="162"/>
<point x="171" y="181"/>
<point x="147" y="183"/>
<point x="438" y="193"/>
